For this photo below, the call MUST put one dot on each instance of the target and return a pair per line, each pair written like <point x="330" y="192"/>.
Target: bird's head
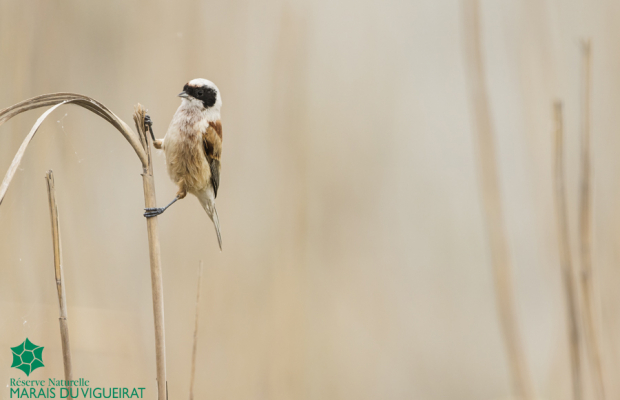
<point x="201" y="93"/>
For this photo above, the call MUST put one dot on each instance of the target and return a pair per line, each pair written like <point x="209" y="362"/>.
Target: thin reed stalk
<point x="566" y="264"/>
<point x="195" y="346"/>
<point x="141" y="144"/>
<point x="157" y="283"/>
<point x="491" y="200"/>
<point x="60" y="278"/>
<point x="585" y="230"/>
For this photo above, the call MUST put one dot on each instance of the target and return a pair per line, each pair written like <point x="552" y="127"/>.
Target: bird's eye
<point x="199" y="93"/>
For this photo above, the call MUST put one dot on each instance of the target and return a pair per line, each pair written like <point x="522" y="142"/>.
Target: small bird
<point x="193" y="146"/>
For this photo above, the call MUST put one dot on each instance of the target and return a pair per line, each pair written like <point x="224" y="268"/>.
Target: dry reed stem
<point x="22" y="149"/>
<point x="55" y="100"/>
<point x="60" y="278"/>
<point x="492" y="203"/>
<point x="585" y="231"/>
<point x="566" y="265"/>
<point x="141" y="145"/>
<point x="86" y="102"/>
<point x="157" y="285"/>
<point x="195" y="346"/>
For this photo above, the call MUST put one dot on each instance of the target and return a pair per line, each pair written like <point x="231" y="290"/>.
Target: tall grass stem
<point x="157" y="283"/>
<point x="585" y="229"/>
<point x="566" y="264"/>
<point x="195" y="345"/>
<point x="60" y="279"/>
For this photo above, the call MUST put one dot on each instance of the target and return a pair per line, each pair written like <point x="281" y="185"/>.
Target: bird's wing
<point x="215" y="174"/>
<point x="212" y="141"/>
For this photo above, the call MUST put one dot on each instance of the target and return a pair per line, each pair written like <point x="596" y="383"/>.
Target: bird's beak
<point x="184" y="95"/>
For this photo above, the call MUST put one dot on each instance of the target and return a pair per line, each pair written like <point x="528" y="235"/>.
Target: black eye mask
<point x="209" y="96"/>
<point x="206" y="94"/>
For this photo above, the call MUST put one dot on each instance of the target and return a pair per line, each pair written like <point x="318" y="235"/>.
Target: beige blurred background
<point x="356" y="263"/>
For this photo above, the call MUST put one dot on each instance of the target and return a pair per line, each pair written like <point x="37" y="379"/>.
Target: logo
<point x="27" y="356"/>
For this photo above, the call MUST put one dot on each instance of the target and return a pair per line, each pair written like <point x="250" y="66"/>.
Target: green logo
<point x="27" y="356"/>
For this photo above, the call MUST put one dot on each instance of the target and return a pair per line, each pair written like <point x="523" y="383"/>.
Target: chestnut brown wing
<point x="212" y="141"/>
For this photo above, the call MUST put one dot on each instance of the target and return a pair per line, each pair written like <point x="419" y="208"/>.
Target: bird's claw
<point x="148" y="126"/>
<point x="148" y="122"/>
<point x="153" y="212"/>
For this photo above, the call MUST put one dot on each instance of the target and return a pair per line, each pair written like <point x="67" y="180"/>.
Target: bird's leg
<point x="153" y="212"/>
<point x="148" y="125"/>
<point x="181" y="193"/>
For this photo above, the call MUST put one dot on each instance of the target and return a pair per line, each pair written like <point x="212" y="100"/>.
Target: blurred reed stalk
<point x="60" y="277"/>
<point x="195" y="346"/>
<point x="566" y="265"/>
<point x="585" y="229"/>
<point x="492" y="202"/>
<point x="142" y="146"/>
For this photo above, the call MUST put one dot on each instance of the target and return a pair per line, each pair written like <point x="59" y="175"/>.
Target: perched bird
<point x="193" y="146"/>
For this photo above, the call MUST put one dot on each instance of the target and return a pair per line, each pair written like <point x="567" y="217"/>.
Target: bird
<point x="193" y="146"/>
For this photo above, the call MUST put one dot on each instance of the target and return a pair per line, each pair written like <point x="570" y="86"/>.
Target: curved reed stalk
<point x="141" y="144"/>
<point x="22" y="149"/>
<point x="492" y="204"/>
<point x="86" y="102"/>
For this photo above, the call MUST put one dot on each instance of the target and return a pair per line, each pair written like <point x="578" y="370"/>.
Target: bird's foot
<point x="148" y="126"/>
<point x="153" y="212"/>
<point x="148" y="122"/>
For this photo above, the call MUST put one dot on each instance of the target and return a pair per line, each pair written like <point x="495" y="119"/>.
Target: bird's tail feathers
<point x="206" y="199"/>
<point x="216" y="223"/>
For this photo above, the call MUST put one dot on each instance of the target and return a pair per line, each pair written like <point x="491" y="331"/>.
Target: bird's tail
<point x="216" y="223"/>
<point x="206" y="200"/>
